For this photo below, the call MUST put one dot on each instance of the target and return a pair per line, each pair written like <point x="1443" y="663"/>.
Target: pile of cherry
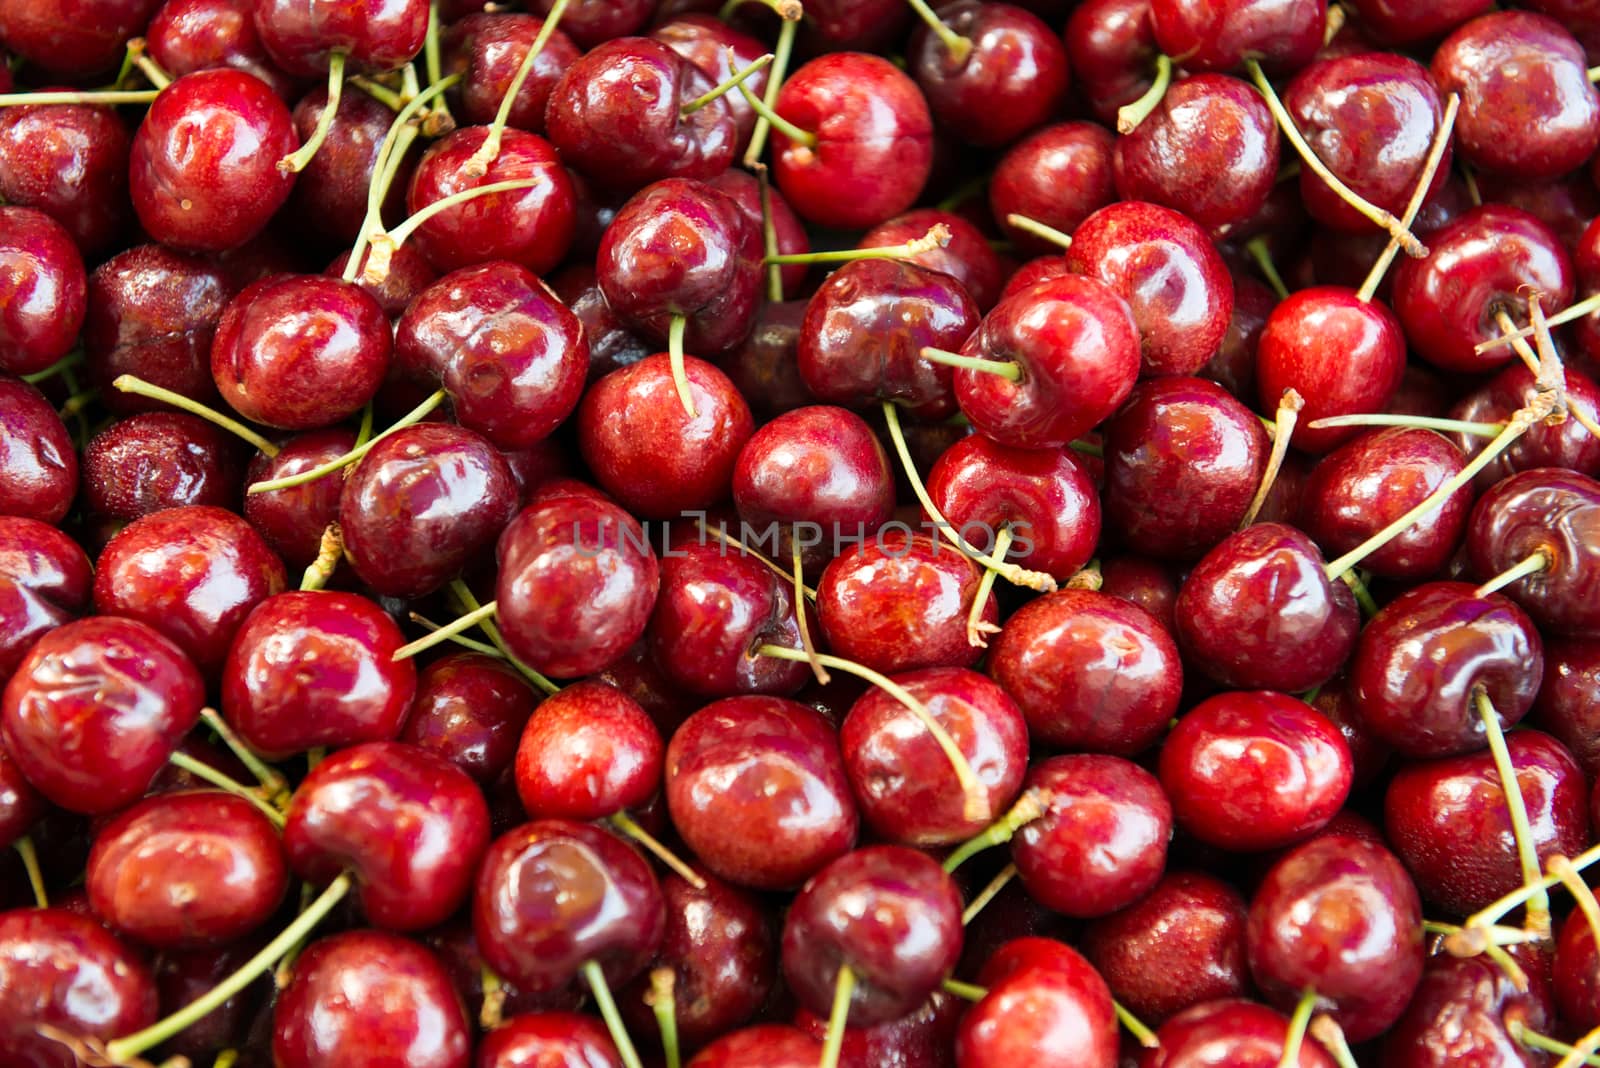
<point x="1132" y="599"/>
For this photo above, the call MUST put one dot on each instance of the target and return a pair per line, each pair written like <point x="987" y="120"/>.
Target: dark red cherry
<point x="719" y="50"/>
<point x="617" y="116"/>
<point x="762" y="1046"/>
<point x="369" y="995"/>
<point x="873" y="141"/>
<point x="745" y="191"/>
<point x="1567" y="444"/>
<point x="487" y="49"/>
<point x="1423" y="656"/>
<point x="612" y="344"/>
<point x="1395" y="22"/>
<point x="1179" y="945"/>
<point x="470" y="709"/>
<point x="424" y="503"/>
<point x="187" y="870"/>
<point x="1229" y="1031"/>
<point x="96" y="708"/>
<point x="1283" y="35"/>
<point x="904" y="782"/>
<point x="1258" y="613"/>
<point x="1112" y="45"/>
<point x="746" y="775"/>
<point x="926" y="1037"/>
<point x="293" y="519"/>
<point x="1146" y="583"/>
<point x="300" y="352"/>
<point x="1102" y="841"/>
<point x="190" y="35"/>
<point x="1288" y="770"/>
<point x="330" y="193"/>
<point x="1183" y="461"/>
<point x="1576" y="972"/>
<point x="1058" y="175"/>
<point x="1234" y="366"/>
<point x="184" y="975"/>
<point x="1170" y="274"/>
<point x="593" y="22"/>
<point x="21" y="806"/>
<point x="409" y="274"/>
<point x="1448" y="820"/>
<point x="38" y="464"/>
<point x="1371" y="481"/>
<point x="47" y="291"/>
<point x="553" y="896"/>
<point x="1045" y="1005"/>
<point x="578" y="579"/>
<point x="45" y="581"/>
<point x="553" y="1038"/>
<point x="1555" y="512"/>
<point x="302" y="36"/>
<point x="1462" y="1015"/>
<point x="1563" y="707"/>
<point x="1527" y="108"/>
<point x="1339" y="916"/>
<point x="65" y="971"/>
<point x="311" y="669"/>
<point x="891" y="915"/>
<point x="968" y="258"/>
<point x="70" y="161"/>
<point x="154" y="460"/>
<point x="589" y="753"/>
<point x="204" y="174"/>
<point x="532" y="227"/>
<point x="70" y="40"/>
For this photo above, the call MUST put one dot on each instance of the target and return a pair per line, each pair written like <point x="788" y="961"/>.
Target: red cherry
<point x="1046" y="1007"/>
<point x="1231" y="1031"/>
<point x="38" y="464"/>
<point x="470" y="709"/>
<point x="70" y="161"/>
<point x="377" y="35"/>
<point x="47" y="290"/>
<point x="1058" y="175"/>
<point x="590" y="752"/>
<point x="487" y="49"/>
<point x="190" y="35"/>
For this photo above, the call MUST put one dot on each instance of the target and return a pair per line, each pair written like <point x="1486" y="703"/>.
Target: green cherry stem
<point x="1129" y="116"/>
<point x="1029" y="807"/>
<point x="140" y="60"/>
<point x="608" y="1012"/>
<point x="30" y="863"/>
<point x="378" y="91"/>
<point x="733" y="81"/>
<point x="1363" y="596"/>
<point x="296" y="161"/>
<point x="1261" y="254"/>
<point x="273" y="784"/>
<point x="988" y="893"/>
<point x="1038" y="229"/>
<point x="489" y="151"/>
<point x="958" y="46"/>
<point x="382" y="245"/>
<point x="459" y="639"/>
<point x="415" y="415"/>
<point x="433" y="54"/>
<point x="977" y="628"/>
<point x="765" y="112"/>
<point x="1571" y="1055"/>
<point x="469" y="603"/>
<point x="91" y="96"/>
<point x="964" y="991"/>
<point x="329" y="550"/>
<point x="1326" y="1030"/>
<point x="1491" y="913"/>
<point x="769" y="236"/>
<point x="938" y="236"/>
<point x="1420" y="422"/>
<point x="72" y="359"/>
<point x="1010" y="370"/>
<point x="1538" y="911"/>
<point x="1587" y="306"/>
<point x="1283" y="427"/>
<point x="844" y="988"/>
<point x="1134" y="1026"/>
<point x="797" y="577"/>
<point x="1535" y="562"/>
<point x="201" y="770"/>
<point x="1297" y="1029"/>
<point x="446" y="632"/>
<point x="782" y="51"/>
<point x="680" y="374"/>
<point x="1562" y="868"/>
<point x="789" y="10"/>
<point x="721" y="534"/>
<point x="628" y="826"/>
<point x="663" y="1002"/>
<point x="140" y="388"/>
<point x="1441" y="141"/>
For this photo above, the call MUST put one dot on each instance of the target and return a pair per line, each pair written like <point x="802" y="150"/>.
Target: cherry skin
<point x="1448" y="821"/>
<point x="311" y="669"/>
<point x="70" y="41"/>
<point x="556" y="1038"/>
<point x="49" y="960"/>
<point x="891" y="915"/>
<point x="1574" y="972"/>
<point x="330" y="192"/>
<point x="1076" y="346"/>
<point x="719" y="50"/>
<point x="1422" y="657"/>
<point x="1338" y="915"/>
<point x="190" y="35"/>
<point x="293" y="519"/>
<point x="874" y="141"/>
<point x="553" y="895"/>
<point x="1045" y="1005"/>
<point x="70" y="161"/>
<point x="1563" y="708"/>
<point x="900" y="602"/>
<point x="925" y="1037"/>
<point x="903" y="782"/>
<point x="369" y="994"/>
<point x="1058" y="175"/>
<point x="1179" y="945"/>
<point x="470" y="709"/>
<point x="1393" y="22"/>
<point x="1183" y="460"/>
<point x="45" y="581"/>
<point x="968" y="258"/>
<point x="578" y="579"/>
<point x="1462" y="1014"/>
<point x="617" y="117"/>
<point x="612" y="344"/>
<point x="1371" y="481"/>
<point x="38" y="464"/>
<point x="182" y="976"/>
<point x="647" y="452"/>
<point x="187" y="870"/>
<point x="47" y="290"/>
<point x="1113" y="49"/>
<point x="1221" y="34"/>
<point x="1234" y="366"/>
<point x="762" y="1046"/>
<point x="1229" y="1031"/>
<point x="590" y="752"/>
<point x="425" y="502"/>
<point x="20" y="804"/>
<point x="1551" y="511"/>
<point x="486" y="50"/>
<point x="757" y="789"/>
<point x="1565" y="445"/>
<point x="154" y="460"/>
<point x="1102" y="841"/>
<point x="1167" y="270"/>
<point x="204" y="173"/>
<point x="95" y="709"/>
<point x="301" y="36"/>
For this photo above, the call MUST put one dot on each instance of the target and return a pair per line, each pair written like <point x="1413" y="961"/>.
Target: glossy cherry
<point x="154" y="460"/>
<point x="1547" y="511"/>
<point x="70" y="161"/>
<point x="294" y="518"/>
<point x="1045" y="1005"/>
<point x="1231" y="1031"/>
<point x="60" y="38"/>
<point x="330" y="192"/>
<point x="590" y="752"/>
<point x="558" y="1038"/>
<point x="47" y="290"/>
<point x="1463" y="1013"/>
<point x="38" y="464"/>
<point x="470" y="709"/>
<point x="1563" y="708"/>
<point x="761" y="1046"/>
<point x="719" y="50"/>
<point x="1574" y="972"/>
<point x="45" y="581"/>
<point x="1564" y="445"/>
<point x="1113" y="49"/>
<point x="1058" y="175"/>
<point x="1283" y="35"/>
<point x="486" y="50"/>
<point x="190" y="35"/>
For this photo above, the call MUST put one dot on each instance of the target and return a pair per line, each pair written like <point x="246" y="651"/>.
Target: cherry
<point x="620" y="116"/>
<point x="1563" y="708"/>
<point x="1207" y="35"/>
<point x="1467" y="1011"/>
<point x="577" y="582"/>
<point x="69" y="41"/>
<point x="330" y="194"/>
<point x="50" y="961"/>
<point x="38" y="464"/>
<point x="470" y="709"/>
<point x="1338" y="916"/>
<point x="1231" y="1031"/>
<point x="720" y="51"/>
<point x="71" y="162"/>
<point x="46" y="290"/>
<point x="95" y="709"/>
<point x="589" y="753"/>
<point x="1574" y="973"/>
<point x="1058" y="175"/>
<point x="593" y="22"/>
<point x="926" y="1037"/>
<point x="154" y="460"/>
<point x="1113" y="49"/>
<point x="190" y="35"/>
<point x="1372" y="480"/>
<point x="1178" y="946"/>
<point x="487" y="50"/>
<point x="762" y="1046"/>
<point x="1547" y="515"/>
<point x="365" y="995"/>
<point x="1183" y="461"/>
<point x="1568" y="444"/>
<point x="856" y="143"/>
<point x="1045" y="1005"/>
<point x="191" y="187"/>
<point x="21" y="807"/>
<point x="45" y="581"/>
<point x="293" y="519"/>
<point x="1422" y="657"/>
<point x="745" y="773"/>
<point x="612" y="345"/>
<point x="311" y="669"/>
<point x="1051" y="362"/>
<point x="968" y="258"/>
<point x="792" y="239"/>
<point x="555" y="1038"/>
<point x="509" y="353"/>
<point x="1392" y="22"/>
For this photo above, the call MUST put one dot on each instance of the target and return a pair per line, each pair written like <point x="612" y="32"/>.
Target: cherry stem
<point x="491" y="1013"/>
<point x="976" y="626"/>
<point x="1383" y="218"/>
<point x="680" y="374"/>
<point x="66" y="363"/>
<point x="383" y="244"/>
<point x="788" y="10"/>
<point x="964" y="991"/>
<point x="140" y="388"/>
<point x="958" y="46"/>
<point x="722" y="535"/>
<point x="272" y="781"/>
<point x="1334" y="23"/>
<point x="1492" y="912"/>
<point x="975" y="804"/>
<point x="1283" y="428"/>
<point x="1419" y="422"/>
<point x="1088" y="577"/>
<point x="1088" y="448"/>
<point x="1029" y="807"/>
<point x="1508" y="329"/>
<point x="415" y="415"/>
<point x="1562" y="868"/>
<point x="782" y="51"/>
<point x="1038" y="229"/>
<point x="132" y="1045"/>
<point x="938" y="236"/>
<point x="378" y="91"/>
<point x="391" y="153"/>
<point x="1135" y="1026"/>
<point x="988" y="893"/>
<point x="1010" y="370"/>
<point x="226" y="1059"/>
<point x="1358" y="589"/>
<point x="1470" y="941"/>
<point x="1430" y="167"/>
<point x="801" y="624"/>
<point x="489" y="151"/>
<point x="769" y="236"/>
<point x="364" y="428"/>
<point x="146" y="66"/>
<point x="1538" y="911"/>
<point x="296" y="161"/>
<point x="201" y="770"/>
<point x="469" y="602"/>
<point x="30" y="863"/>
<point x="608" y="1012"/>
<point x="1551" y="376"/>
<point x="1012" y="573"/>
<point x="628" y="826"/>
<point x="1326" y="1030"/>
<point x="328" y="552"/>
<point x="283" y="974"/>
<point x="89" y="96"/>
<point x="765" y="111"/>
<point x="844" y="988"/>
<point x="1594" y="74"/>
<point x="449" y="630"/>
<point x="733" y="81"/>
<point x="663" y="1001"/>
<point x="1262" y="255"/>
<point x="1532" y="564"/>
<point x="433" y="55"/>
<point x="1297" y="1029"/>
<point x="1129" y="116"/>
<point x="1587" y="306"/>
<point x="459" y="639"/>
<point x="1534" y="1040"/>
